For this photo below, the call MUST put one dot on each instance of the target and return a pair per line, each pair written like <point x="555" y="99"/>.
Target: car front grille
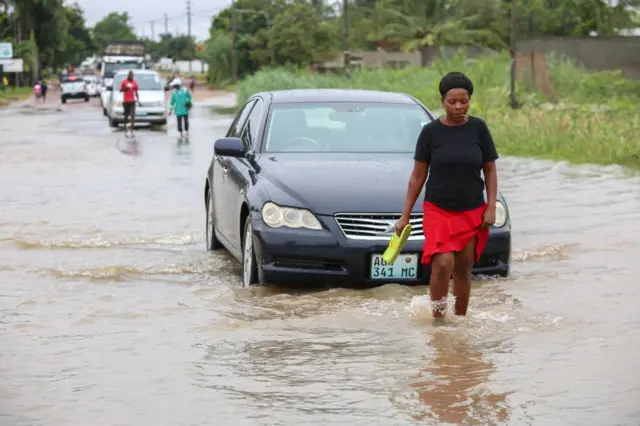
<point x="375" y="226"/>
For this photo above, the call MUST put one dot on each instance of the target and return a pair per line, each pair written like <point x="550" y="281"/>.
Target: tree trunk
<point x="35" y="59"/>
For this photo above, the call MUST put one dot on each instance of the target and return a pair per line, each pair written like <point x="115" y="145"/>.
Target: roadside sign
<point x="12" y="65"/>
<point x="6" y="50"/>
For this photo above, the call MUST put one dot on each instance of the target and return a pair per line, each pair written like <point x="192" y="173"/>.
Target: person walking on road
<point x="37" y="92"/>
<point x="43" y="89"/>
<point x="181" y="101"/>
<point x="129" y="87"/>
<point x="452" y="153"/>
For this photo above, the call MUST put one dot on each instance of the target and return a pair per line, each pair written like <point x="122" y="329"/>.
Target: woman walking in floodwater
<point x="453" y="150"/>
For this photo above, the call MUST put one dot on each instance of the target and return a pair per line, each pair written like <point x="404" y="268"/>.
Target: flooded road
<point x="112" y="313"/>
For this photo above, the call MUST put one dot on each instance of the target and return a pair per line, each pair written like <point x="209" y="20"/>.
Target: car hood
<point x="344" y="183"/>
<point x="145" y="96"/>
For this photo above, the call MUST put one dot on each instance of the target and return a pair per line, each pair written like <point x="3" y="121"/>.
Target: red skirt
<point x="447" y="231"/>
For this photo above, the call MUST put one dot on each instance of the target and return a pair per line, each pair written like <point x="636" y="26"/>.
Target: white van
<point x="151" y="91"/>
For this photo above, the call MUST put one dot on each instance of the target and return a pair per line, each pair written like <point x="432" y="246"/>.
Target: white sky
<point x="142" y="12"/>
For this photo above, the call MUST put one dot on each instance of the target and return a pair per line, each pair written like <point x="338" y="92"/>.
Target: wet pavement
<point x="112" y="313"/>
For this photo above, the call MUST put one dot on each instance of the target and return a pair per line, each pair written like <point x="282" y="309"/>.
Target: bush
<point x="596" y="120"/>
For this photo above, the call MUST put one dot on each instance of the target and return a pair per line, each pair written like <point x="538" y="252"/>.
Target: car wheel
<point x="249" y="264"/>
<point x="212" y="241"/>
<point x="86" y="99"/>
<point x="113" y="123"/>
<point x="63" y="100"/>
<point x="104" y="112"/>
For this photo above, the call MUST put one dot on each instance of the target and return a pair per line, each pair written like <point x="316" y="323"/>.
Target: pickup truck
<point x="73" y="87"/>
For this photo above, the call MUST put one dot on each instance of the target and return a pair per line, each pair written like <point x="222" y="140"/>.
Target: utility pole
<point x="345" y="35"/>
<point x="513" y="101"/>
<point x="189" y="30"/>
<point x="153" y="32"/>
<point x="234" y="59"/>
<point x="166" y="24"/>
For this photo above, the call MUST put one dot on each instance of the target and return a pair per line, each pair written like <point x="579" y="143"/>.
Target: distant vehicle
<point x="307" y="186"/>
<point x="92" y="85"/>
<point x="151" y="90"/>
<point x="73" y="87"/>
<point x="117" y="56"/>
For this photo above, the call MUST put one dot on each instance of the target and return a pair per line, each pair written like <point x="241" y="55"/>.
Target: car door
<point x="221" y="194"/>
<point x="239" y="170"/>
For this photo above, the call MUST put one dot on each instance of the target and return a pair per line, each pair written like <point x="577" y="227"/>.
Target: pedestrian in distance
<point x="37" y="92"/>
<point x="44" y="87"/>
<point x="181" y="101"/>
<point x="452" y="152"/>
<point x="129" y="87"/>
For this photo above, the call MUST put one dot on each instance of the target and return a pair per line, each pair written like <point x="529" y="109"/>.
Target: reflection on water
<point x="109" y="297"/>
<point x="454" y="384"/>
<point x="129" y="145"/>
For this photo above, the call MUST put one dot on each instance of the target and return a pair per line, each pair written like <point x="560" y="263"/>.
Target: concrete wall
<point x="595" y="53"/>
<point x="197" y="66"/>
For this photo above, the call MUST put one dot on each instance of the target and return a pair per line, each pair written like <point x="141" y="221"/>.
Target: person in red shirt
<point x="129" y="88"/>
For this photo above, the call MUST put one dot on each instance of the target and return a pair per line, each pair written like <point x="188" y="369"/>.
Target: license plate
<point x="404" y="268"/>
<point x="141" y="114"/>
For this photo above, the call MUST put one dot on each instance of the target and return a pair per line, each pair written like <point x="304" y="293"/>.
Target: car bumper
<point x="143" y="115"/>
<point x="289" y="256"/>
<point x="75" y="95"/>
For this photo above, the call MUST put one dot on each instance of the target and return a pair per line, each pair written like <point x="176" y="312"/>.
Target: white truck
<point x="118" y="56"/>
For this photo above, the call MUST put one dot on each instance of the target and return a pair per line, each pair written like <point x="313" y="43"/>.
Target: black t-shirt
<point x="455" y="155"/>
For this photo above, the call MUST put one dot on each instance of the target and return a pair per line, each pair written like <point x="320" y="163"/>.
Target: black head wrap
<point x="455" y="80"/>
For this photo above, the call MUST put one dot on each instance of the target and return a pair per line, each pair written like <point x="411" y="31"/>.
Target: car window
<point x="250" y="130"/>
<point x="366" y="127"/>
<point x="238" y="122"/>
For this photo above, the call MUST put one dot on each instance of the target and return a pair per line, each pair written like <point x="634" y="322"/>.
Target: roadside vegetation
<point x="594" y="120"/>
<point x="14" y="95"/>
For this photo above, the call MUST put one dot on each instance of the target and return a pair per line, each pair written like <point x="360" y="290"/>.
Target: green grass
<point x="12" y="95"/>
<point x="595" y="120"/>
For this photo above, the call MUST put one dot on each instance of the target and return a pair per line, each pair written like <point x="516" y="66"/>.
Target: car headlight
<point x="501" y="215"/>
<point x="276" y="216"/>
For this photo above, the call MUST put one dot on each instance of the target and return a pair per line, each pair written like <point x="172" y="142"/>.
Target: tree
<point x="114" y="26"/>
<point x="299" y="37"/>
<point x="181" y="48"/>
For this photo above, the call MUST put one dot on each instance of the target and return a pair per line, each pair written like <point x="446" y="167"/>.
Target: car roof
<point x="140" y="71"/>
<point x="337" y="95"/>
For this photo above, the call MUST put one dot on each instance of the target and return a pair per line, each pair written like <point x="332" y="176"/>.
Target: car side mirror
<point x="229" y="147"/>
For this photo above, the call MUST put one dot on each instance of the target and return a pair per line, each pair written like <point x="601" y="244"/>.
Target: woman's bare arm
<point x="416" y="182"/>
<point x="491" y="182"/>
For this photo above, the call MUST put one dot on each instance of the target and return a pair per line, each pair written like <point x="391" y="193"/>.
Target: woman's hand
<point x="489" y="216"/>
<point x="401" y="223"/>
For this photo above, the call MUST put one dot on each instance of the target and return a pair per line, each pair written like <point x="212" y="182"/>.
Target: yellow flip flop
<point x="396" y="244"/>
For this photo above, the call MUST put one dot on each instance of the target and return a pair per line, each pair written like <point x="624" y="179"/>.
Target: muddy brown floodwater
<point x="112" y="313"/>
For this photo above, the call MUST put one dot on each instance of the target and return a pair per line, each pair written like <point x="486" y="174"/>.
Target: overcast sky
<point x="143" y="11"/>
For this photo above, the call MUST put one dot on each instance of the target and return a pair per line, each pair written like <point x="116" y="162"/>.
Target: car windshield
<point x="89" y="80"/>
<point x="146" y="81"/>
<point x="111" y="68"/>
<point x="365" y="127"/>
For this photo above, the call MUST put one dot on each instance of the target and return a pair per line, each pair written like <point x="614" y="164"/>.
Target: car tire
<point x="86" y="99"/>
<point x="104" y="112"/>
<point x="113" y="123"/>
<point x="249" y="263"/>
<point x="63" y="100"/>
<point x="212" y="242"/>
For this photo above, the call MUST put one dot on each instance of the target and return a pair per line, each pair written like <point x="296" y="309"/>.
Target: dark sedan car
<point x="307" y="185"/>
